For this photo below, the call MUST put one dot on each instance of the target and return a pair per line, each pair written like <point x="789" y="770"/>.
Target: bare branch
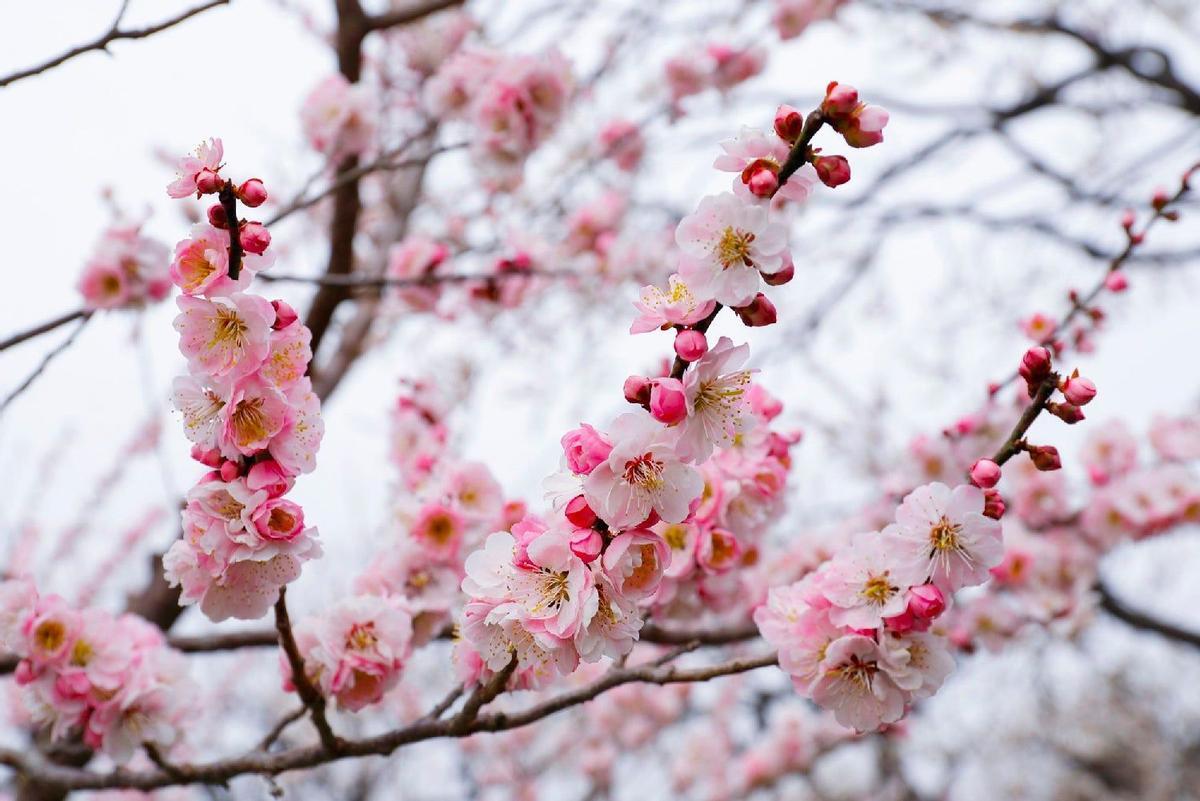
<point x="113" y="34"/>
<point x="44" y="363"/>
<point x="43" y="328"/>
<point x="1140" y="620"/>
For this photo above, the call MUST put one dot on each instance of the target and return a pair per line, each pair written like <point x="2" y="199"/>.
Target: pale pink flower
<point x="792" y="17"/>
<point x="642" y="474"/>
<point x="717" y="409"/>
<point x="473" y="491"/>
<point x="224" y="339"/>
<point x="718" y="550"/>
<point x="152" y="706"/>
<point x="854" y="684"/>
<point x="800" y="633"/>
<point x="622" y="141"/>
<point x="17" y="599"/>
<point x="689" y="73"/>
<point x="232" y="503"/>
<point x="50" y="630"/>
<point x="208" y="157"/>
<point x="1109" y="452"/>
<point x="634" y="562"/>
<point x="295" y="447"/>
<point x="1176" y="439"/>
<point x="727" y="244"/>
<point x="946" y="535"/>
<point x="734" y="66"/>
<point x="247" y="589"/>
<point x="917" y="662"/>
<point x="338" y="118"/>
<point x="868" y="581"/>
<point x="415" y="258"/>
<point x="104" y="286"/>
<point x="677" y="306"/>
<point x="201" y="409"/>
<point x="201" y="263"/>
<point x="613" y="629"/>
<point x="681" y="539"/>
<point x="288" y="357"/>
<point x="253" y="416"/>
<point x="495" y="637"/>
<point x="449" y="92"/>
<point x="355" y="652"/>
<point x="428" y="43"/>
<point x="439" y="530"/>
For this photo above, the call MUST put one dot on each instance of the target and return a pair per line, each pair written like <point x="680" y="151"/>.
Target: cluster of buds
<point x="200" y="174"/>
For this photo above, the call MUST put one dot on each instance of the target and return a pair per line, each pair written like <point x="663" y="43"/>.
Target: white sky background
<point x="98" y="120"/>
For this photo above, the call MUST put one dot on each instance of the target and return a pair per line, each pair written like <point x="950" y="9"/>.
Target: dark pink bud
<point x="255" y="237"/>
<point x="1160" y="199"/>
<point x="285" y="315"/>
<point x="902" y="623"/>
<point x="690" y="345"/>
<point x="1078" y="390"/>
<point x="1045" y="457"/>
<point x="758" y="312"/>
<point x="668" y="401"/>
<point x="993" y="504"/>
<point x="761" y="177"/>
<point x="230" y="471"/>
<point x="1128" y="218"/>
<point x="832" y="170"/>
<point x="784" y="274"/>
<point x="579" y="513"/>
<point x="1035" y="365"/>
<point x="268" y="475"/>
<point x="926" y="601"/>
<point x="840" y="100"/>
<point x="789" y="123"/>
<point x="1069" y="413"/>
<point x="217" y="217"/>
<point x="985" y="473"/>
<point x="208" y="181"/>
<point x="637" y="390"/>
<point x="252" y="193"/>
<point x="209" y="458"/>
<point x="586" y="543"/>
<point x="1116" y="282"/>
<point x="585" y="448"/>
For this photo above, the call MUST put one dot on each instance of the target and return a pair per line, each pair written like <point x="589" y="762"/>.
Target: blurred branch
<point x="43" y="328"/>
<point x="1140" y="620"/>
<point x="44" y="363"/>
<point x="113" y="34"/>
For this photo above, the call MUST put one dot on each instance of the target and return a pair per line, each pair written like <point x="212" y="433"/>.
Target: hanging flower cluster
<point x="126" y="270"/>
<point x="247" y="407"/>
<point x="114" y="680"/>
<point x="632" y="498"/>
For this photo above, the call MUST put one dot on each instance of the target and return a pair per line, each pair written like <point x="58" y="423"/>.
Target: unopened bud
<point x="1044" y="457"/>
<point x="579" y="513"/>
<point x="789" y="123"/>
<point x="690" y="345"/>
<point x="985" y="473"/>
<point x="668" y="401"/>
<point x="1069" y="413"/>
<point x="758" y="312"/>
<point x="1078" y="390"/>
<point x="637" y="390"/>
<point x="1116" y="281"/>
<point x="993" y="504"/>
<point x="285" y="315"/>
<point x="217" y="217"/>
<point x="832" y="170"/>
<point x="252" y="193"/>
<point x="208" y="181"/>
<point x="255" y="238"/>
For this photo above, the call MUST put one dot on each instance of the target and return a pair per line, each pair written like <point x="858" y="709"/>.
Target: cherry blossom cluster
<point x="714" y="66"/>
<point x="574" y="585"/>
<point x="112" y="680"/>
<point x="247" y="406"/>
<point x="126" y="270"/>
<point x="338" y="118"/>
<point x="511" y="103"/>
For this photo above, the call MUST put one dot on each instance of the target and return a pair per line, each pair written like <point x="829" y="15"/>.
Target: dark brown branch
<point x="1140" y="620"/>
<point x="720" y="635"/>
<point x="384" y="282"/>
<point x="44" y="363"/>
<point x="1016" y="439"/>
<point x="309" y="694"/>
<point x="228" y="198"/>
<point x="43" y="328"/>
<point x="36" y="767"/>
<point x="112" y="35"/>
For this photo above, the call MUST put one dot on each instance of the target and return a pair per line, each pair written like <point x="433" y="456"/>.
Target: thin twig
<point x="311" y="697"/>
<point x="43" y="328"/>
<point x="278" y="728"/>
<point x="49" y="357"/>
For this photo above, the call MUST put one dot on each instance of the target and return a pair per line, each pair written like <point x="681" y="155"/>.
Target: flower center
<point x="196" y="267"/>
<point x="858" y="672"/>
<point x="878" y="589"/>
<point x="281" y="520"/>
<point x="440" y="529"/>
<point x="554" y="591"/>
<point x="361" y="637"/>
<point x="81" y="653"/>
<point x="644" y="471"/>
<point x="249" y="422"/>
<point x="228" y="329"/>
<point x="734" y="247"/>
<point x="676" y="537"/>
<point x="943" y="536"/>
<point x="49" y="635"/>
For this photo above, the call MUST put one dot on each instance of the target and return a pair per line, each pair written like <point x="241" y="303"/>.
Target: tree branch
<point x="1140" y="620"/>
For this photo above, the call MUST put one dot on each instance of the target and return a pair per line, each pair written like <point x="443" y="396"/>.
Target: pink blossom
<point x="754" y="149"/>
<point x="414" y="258"/>
<point x="717" y="410"/>
<point x="868" y="581"/>
<point x="634" y="561"/>
<point x="201" y="264"/>
<point x="295" y="446"/>
<point x="104" y="286"/>
<point x="288" y="357"/>
<point x="1176" y="439"/>
<point x="208" y="157"/>
<point x="677" y="306"/>
<point x="585" y="448"/>
<point x="355" y="652"/>
<point x="613" y="629"/>
<point x="1109" y="452"/>
<point x="338" y="118"/>
<point x="854" y="684"/>
<point x="642" y="474"/>
<point x="792" y="17"/>
<point x="917" y="663"/>
<point x="727" y="245"/>
<point x="439" y="530"/>
<point x="224" y="339"/>
<point x="946" y="535"/>
<point x="253" y="416"/>
<point x="622" y="141"/>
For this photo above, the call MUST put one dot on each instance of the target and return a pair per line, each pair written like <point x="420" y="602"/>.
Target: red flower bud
<point x="217" y="217"/>
<point x="1035" y="366"/>
<point x="1078" y="390"/>
<point x="208" y="181"/>
<point x="252" y="193"/>
<point x="993" y="504"/>
<point x="758" y="312"/>
<point x="985" y="473"/>
<point x="690" y="345"/>
<point x="255" y="237"/>
<point x="285" y="315"/>
<point x="637" y="390"/>
<point x="832" y="170"/>
<point x="789" y="123"/>
<point x="1045" y="457"/>
<point x="1069" y="413"/>
<point x="579" y="513"/>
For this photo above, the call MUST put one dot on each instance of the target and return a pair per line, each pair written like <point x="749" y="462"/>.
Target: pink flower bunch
<point x="251" y="414"/>
<point x="354" y="652"/>
<point x="512" y="102"/>
<point x="338" y="118"/>
<point x="716" y="66"/>
<point x="415" y="259"/>
<point x="792" y="17"/>
<point x="855" y="634"/>
<point x="622" y="141"/>
<point x="756" y="157"/>
<point x="428" y="43"/>
<point x="860" y="124"/>
<point x="126" y="270"/>
<point x="112" y="679"/>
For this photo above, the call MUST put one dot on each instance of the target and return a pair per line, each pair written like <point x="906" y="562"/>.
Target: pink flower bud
<point x="789" y="123"/>
<point x="268" y="475"/>
<point x="926" y="601"/>
<point x="690" y="345"/>
<point x="1035" y="365"/>
<point x="209" y="458"/>
<point x="832" y="170"/>
<point x="637" y="390"/>
<point x="1116" y="281"/>
<point x="230" y="471"/>
<point x="579" y="513"/>
<point x="279" y="519"/>
<point x="1128" y="218"/>
<point x="902" y="623"/>
<point x="1160" y="199"/>
<point x="993" y="504"/>
<point x="1045" y="457"/>
<point x="252" y="193"/>
<point x="759" y="312"/>
<point x="1078" y="390"/>
<point x="840" y="100"/>
<point x="761" y="176"/>
<point x="586" y="543"/>
<point x="585" y="448"/>
<point x="285" y="315"/>
<point x="668" y="401"/>
<point x="985" y="473"/>
<point x="217" y="217"/>
<point x="255" y="237"/>
<point x="782" y="276"/>
<point x="208" y="181"/>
